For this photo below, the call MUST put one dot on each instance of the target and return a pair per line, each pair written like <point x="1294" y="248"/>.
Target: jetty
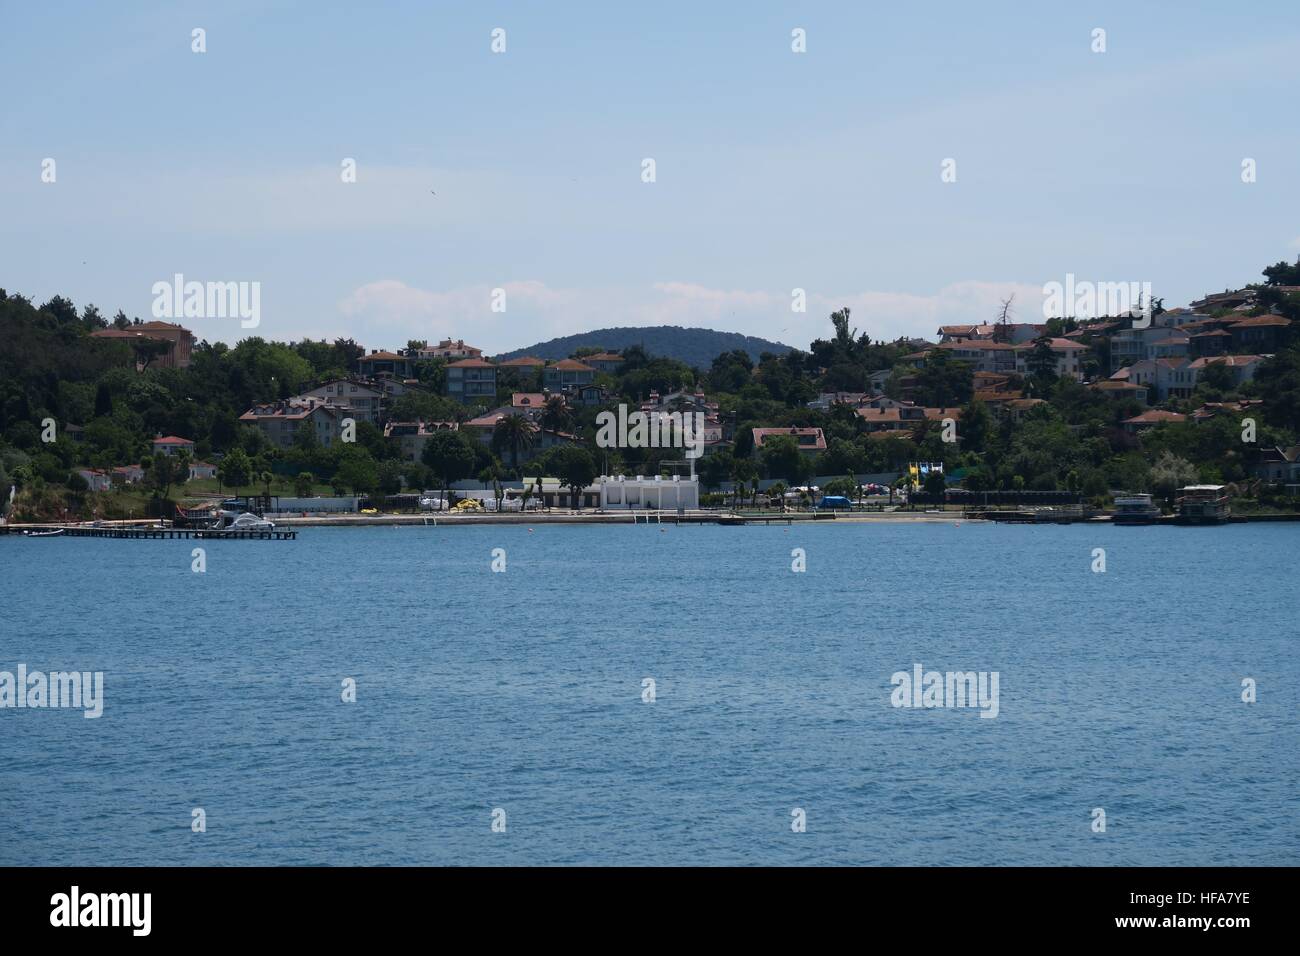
<point x="149" y="534"/>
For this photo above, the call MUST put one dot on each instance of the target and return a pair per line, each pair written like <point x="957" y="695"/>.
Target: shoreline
<point x="289" y="522"/>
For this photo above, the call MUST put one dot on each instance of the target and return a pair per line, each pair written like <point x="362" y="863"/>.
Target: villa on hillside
<point x="607" y="362"/>
<point x="364" y="401"/>
<point x="810" y="441"/>
<point x="386" y="364"/>
<point x="282" y="421"/>
<point x="567" y="374"/>
<point x="411" y="437"/>
<point x="471" y="380"/>
<point x="447" y="349"/>
<point x="172" y="445"/>
<point x="181" y="341"/>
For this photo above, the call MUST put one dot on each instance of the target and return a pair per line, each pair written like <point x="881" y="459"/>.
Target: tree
<point x="491" y="475"/>
<point x="357" y="470"/>
<point x="1041" y="362"/>
<point x="575" y="468"/>
<point x="556" y="415"/>
<point x="162" y="472"/>
<point x="390" y="477"/>
<point x="1170" y="473"/>
<point x="742" y="471"/>
<point x="943" y="382"/>
<point x="450" y="456"/>
<point x="235" y="469"/>
<point x="513" y="432"/>
<point x="783" y="459"/>
<point x="302" y="485"/>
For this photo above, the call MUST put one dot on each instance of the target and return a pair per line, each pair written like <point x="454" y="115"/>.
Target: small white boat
<point x="248" y="522"/>
<point x="44" y="534"/>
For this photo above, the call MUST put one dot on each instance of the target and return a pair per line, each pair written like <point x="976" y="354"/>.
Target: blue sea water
<point x="523" y="691"/>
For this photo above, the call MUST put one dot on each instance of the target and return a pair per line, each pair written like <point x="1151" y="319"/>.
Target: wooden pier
<point x="153" y="534"/>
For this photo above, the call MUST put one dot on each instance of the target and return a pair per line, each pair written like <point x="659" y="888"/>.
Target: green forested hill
<point x="696" y="347"/>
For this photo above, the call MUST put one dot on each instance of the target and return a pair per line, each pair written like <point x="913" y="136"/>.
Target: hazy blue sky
<point x="775" y="170"/>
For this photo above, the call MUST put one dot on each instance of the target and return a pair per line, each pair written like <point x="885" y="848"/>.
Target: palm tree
<point x="513" y="432"/>
<point x="556" y="416"/>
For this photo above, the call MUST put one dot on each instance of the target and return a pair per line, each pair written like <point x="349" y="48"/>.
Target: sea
<point x="659" y="695"/>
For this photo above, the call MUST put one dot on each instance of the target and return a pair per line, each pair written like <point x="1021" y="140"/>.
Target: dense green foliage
<point x="106" y="412"/>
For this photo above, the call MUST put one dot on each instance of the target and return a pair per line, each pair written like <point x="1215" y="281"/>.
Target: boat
<point x="44" y="534"/>
<point x="1135" y="509"/>
<point x="228" y="521"/>
<point x="1203" y="504"/>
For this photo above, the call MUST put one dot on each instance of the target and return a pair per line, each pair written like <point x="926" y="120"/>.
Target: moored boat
<point x="1203" y="504"/>
<point x="1135" y="509"/>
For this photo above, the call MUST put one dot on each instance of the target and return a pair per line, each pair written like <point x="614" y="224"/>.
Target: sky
<point x="523" y="170"/>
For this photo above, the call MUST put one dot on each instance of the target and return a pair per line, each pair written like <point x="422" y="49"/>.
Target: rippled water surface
<point x="523" y="691"/>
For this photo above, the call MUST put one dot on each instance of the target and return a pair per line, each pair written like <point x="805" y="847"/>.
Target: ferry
<point x="1203" y="504"/>
<point x="1135" y="509"/>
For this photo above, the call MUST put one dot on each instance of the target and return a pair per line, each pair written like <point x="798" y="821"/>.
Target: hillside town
<point x="103" y="418"/>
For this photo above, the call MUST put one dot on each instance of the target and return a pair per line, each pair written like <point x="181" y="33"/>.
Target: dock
<point x="152" y="534"/>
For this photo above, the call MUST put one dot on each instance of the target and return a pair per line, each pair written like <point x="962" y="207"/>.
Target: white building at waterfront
<point x="641" y="493"/>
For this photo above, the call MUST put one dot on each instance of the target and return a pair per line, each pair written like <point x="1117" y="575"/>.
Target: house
<point x="472" y="380"/>
<point x="171" y="445"/>
<point x="1018" y="408"/>
<point x="181" y="341"/>
<point x="966" y="333"/>
<point x="363" y="402"/>
<point x="1140" y="423"/>
<point x="1241" y="368"/>
<point x="484" y="427"/>
<point x="202" y="469"/>
<point x="983" y="355"/>
<point x="96" y="480"/>
<point x="883" y="419"/>
<point x="282" y="421"/>
<point x="524" y="363"/>
<point x="1211" y="410"/>
<point x="1227" y="299"/>
<point x="1120" y="389"/>
<point x="590" y="395"/>
<point x="566" y="374"/>
<point x="606" y="362"/>
<point x="1259" y="333"/>
<point x="386" y="364"/>
<point x="1279" y="465"/>
<point x="411" y="437"/>
<point x="447" y="349"/>
<point x="825" y="400"/>
<point x="127" y="475"/>
<point x="1069" y="357"/>
<point x="529" y="399"/>
<point x="810" y="441"/>
<point x="877" y="381"/>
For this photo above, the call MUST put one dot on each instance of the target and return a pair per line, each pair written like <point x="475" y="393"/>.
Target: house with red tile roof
<point x="180" y="339"/>
<point x="1150" y="419"/>
<point x="282" y="421"/>
<point x="380" y="364"/>
<point x="810" y="440"/>
<point x="567" y="374"/>
<point x="447" y="349"/>
<point x="172" y="445"/>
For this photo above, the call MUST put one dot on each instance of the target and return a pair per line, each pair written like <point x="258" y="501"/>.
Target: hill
<point x="695" y="347"/>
